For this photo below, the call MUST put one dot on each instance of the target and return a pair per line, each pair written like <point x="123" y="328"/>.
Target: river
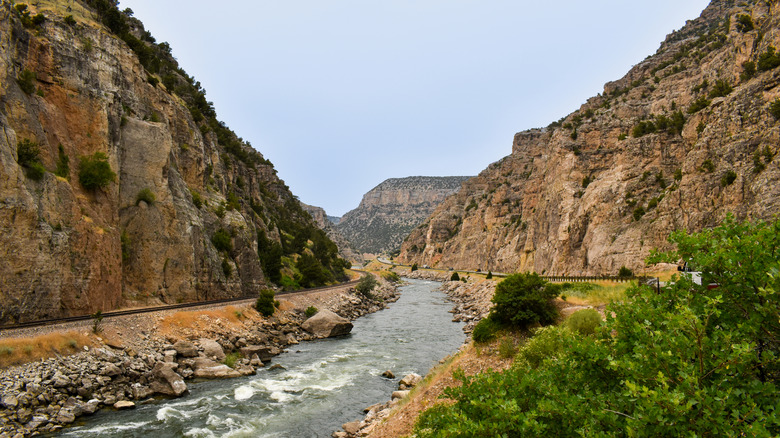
<point x="322" y="385"/>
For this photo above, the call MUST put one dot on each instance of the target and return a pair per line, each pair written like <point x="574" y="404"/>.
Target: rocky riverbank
<point x="128" y="365"/>
<point x="471" y="301"/>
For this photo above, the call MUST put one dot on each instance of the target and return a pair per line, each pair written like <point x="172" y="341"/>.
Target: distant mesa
<point x="389" y="211"/>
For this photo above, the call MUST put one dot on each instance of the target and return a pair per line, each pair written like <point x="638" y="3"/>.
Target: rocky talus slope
<point x="81" y="83"/>
<point x="688" y="136"/>
<point x="389" y="211"/>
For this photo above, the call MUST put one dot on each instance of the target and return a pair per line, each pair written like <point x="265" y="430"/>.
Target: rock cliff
<point x="389" y="211"/>
<point x="118" y="184"/>
<point x="325" y="222"/>
<point x="688" y="136"/>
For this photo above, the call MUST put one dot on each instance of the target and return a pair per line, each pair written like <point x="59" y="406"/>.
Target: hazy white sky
<point x="343" y="94"/>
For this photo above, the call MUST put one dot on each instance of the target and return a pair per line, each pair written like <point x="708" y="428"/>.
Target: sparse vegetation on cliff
<point x="95" y="172"/>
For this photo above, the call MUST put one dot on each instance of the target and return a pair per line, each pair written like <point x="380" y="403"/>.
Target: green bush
<point x="707" y="166"/>
<point x="26" y="81"/>
<point x="145" y="195"/>
<point x="489" y="276"/>
<point x="744" y="23"/>
<point x="391" y="276"/>
<point x="507" y="349"/>
<point x="222" y="240"/>
<point x="414" y="267"/>
<point x="698" y="105"/>
<point x="720" y="89"/>
<point x="638" y="213"/>
<point x="768" y="60"/>
<point x="521" y="300"/>
<point x="265" y="303"/>
<point x="28" y="156"/>
<point x="311" y="311"/>
<point x="584" y="321"/>
<point x="124" y="239"/>
<point x="197" y="200"/>
<point x="366" y="285"/>
<point x="231" y="359"/>
<point x="748" y="70"/>
<point x="642" y="128"/>
<point x="63" y="163"/>
<point x="69" y="20"/>
<point x="774" y="108"/>
<point x="454" y="277"/>
<point x="547" y="343"/>
<point x="625" y="272"/>
<point x="728" y="179"/>
<point x="227" y="268"/>
<point x="35" y="171"/>
<point x="485" y="330"/>
<point x="95" y="172"/>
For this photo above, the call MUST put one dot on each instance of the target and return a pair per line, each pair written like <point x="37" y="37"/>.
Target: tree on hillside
<point x="524" y="299"/>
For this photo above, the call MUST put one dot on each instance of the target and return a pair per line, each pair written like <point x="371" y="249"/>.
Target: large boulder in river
<point x="208" y="369"/>
<point x="326" y="324"/>
<point x="212" y="349"/>
<point x="163" y="380"/>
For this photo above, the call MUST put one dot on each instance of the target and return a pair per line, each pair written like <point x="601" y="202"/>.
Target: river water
<point x="323" y="384"/>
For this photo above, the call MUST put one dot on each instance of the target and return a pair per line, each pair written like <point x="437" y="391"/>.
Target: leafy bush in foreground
<point x="688" y="361"/>
<point x="524" y="299"/>
<point x="485" y="330"/>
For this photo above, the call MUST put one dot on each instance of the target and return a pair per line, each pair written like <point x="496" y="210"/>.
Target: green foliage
<point x="231" y="359"/>
<point x="63" y="163"/>
<point x="622" y="136"/>
<point x="313" y="273"/>
<point x="97" y="322"/>
<point x="678" y="174"/>
<point x="222" y="240"/>
<point x="28" y="156"/>
<point x="124" y="239"/>
<point x="768" y="60"/>
<point x="95" y="172"/>
<point x="454" y="277"/>
<point x="688" y="361"/>
<point x="707" y="166"/>
<point x="642" y="128"/>
<point x="270" y="253"/>
<point x="625" y="272"/>
<point x="227" y="268"/>
<point x="744" y="23"/>
<point x="145" y="195"/>
<point x="197" y="200"/>
<point x="720" y="89"/>
<point x="728" y="178"/>
<point x="26" y="81"/>
<point x="748" y="71"/>
<point x="391" y="276"/>
<point x="366" y="284"/>
<point x="507" y="349"/>
<point x="638" y="213"/>
<point x="586" y="181"/>
<point x="232" y="202"/>
<point x="265" y="303"/>
<point x="311" y="311"/>
<point x="522" y="300"/>
<point x="584" y="322"/>
<point x="414" y="267"/>
<point x="485" y="330"/>
<point x="698" y="105"/>
<point x="489" y="276"/>
<point x="774" y="108"/>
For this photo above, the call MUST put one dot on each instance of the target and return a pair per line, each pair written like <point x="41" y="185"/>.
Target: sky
<point x="343" y="94"/>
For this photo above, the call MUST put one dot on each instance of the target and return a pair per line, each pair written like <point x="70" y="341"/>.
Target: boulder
<point x="263" y="353"/>
<point x="111" y="370"/>
<point x="185" y="349"/>
<point x="326" y="324"/>
<point x="212" y="349"/>
<point x="409" y="381"/>
<point x="163" y="380"/>
<point x="388" y="375"/>
<point x="9" y="401"/>
<point x="351" y="428"/>
<point x="399" y="394"/>
<point x="208" y="369"/>
<point x="124" y="404"/>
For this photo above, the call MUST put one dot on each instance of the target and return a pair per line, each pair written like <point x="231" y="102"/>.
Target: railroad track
<point x="44" y="322"/>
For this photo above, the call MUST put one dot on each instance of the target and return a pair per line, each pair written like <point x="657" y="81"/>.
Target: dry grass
<point x="17" y="351"/>
<point x="203" y="319"/>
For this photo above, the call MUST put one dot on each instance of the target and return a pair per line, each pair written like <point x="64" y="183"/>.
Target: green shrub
<point x="489" y="276"/>
<point x="507" y="349"/>
<point x="728" y="179"/>
<point x="707" y="166"/>
<point x="231" y="359"/>
<point x="35" y="171"/>
<point x="638" y="213"/>
<point x="227" y="268"/>
<point x="744" y="23"/>
<point x="222" y="240"/>
<point x="145" y="195"/>
<point x="642" y="128"/>
<point x="774" y="108"/>
<point x="698" y="105"/>
<point x="391" y="276"/>
<point x="95" y="172"/>
<point x="485" y="330"/>
<point x="311" y="311"/>
<point x="63" y="163"/>
<point x="124" y="239"/>
<point x="748" y="70"/>
<point x="265" y="303"/>
<point x="625" y="272"/>
<point x="26" y="81"/>
<point x="197" y="200"/>
<point x="678" y="174"/>
<point x="768" y="60"/>
<point x="454" y="277"/>
<point x="69" y="20"/>
<point x="27" y="152"/>
<point x="366" y="285"/>
<point x="547" y="343"/>
<point x="524" y="299"/>
<point x="414" y="267"/>
<point x="622" y="136"/>
<point x="584" y="321"/>
<point x="720" y="89"/>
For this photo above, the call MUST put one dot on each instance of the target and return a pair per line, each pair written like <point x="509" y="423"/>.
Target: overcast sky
<point x="343" y="94"/>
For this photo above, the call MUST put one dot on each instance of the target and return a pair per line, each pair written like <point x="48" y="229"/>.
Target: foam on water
<point x="243" y="392"/>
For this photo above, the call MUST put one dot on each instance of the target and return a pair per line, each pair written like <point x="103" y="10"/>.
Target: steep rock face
<point x="70" y="250"/>
<point x="393" y="208"/>
<point x="667" y="147"/>
<point x="325" y="222"/>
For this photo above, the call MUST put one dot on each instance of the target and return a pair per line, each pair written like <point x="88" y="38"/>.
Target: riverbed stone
<point x="185" y="349"/>
<point x="409" y="381"/>
<point x="163" y="380"/>
<point x="399" y="394"/>
<point x="326" y="324"/>
<point x="208" y="369"/>
<point x="351" y="428"/>
<point x="124" y="404"/>
<point x="212" y="349"/>
<point x="388" y="375"/>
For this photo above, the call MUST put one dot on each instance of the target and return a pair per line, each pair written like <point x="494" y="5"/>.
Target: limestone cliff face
<point x="393" y="208"/>
<point x="70" y="250"/>
<point x="346" y="251"/>
<point x="686" y="137"/>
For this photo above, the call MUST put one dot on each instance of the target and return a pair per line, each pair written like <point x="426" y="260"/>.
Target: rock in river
<point x="326" y="324"/>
